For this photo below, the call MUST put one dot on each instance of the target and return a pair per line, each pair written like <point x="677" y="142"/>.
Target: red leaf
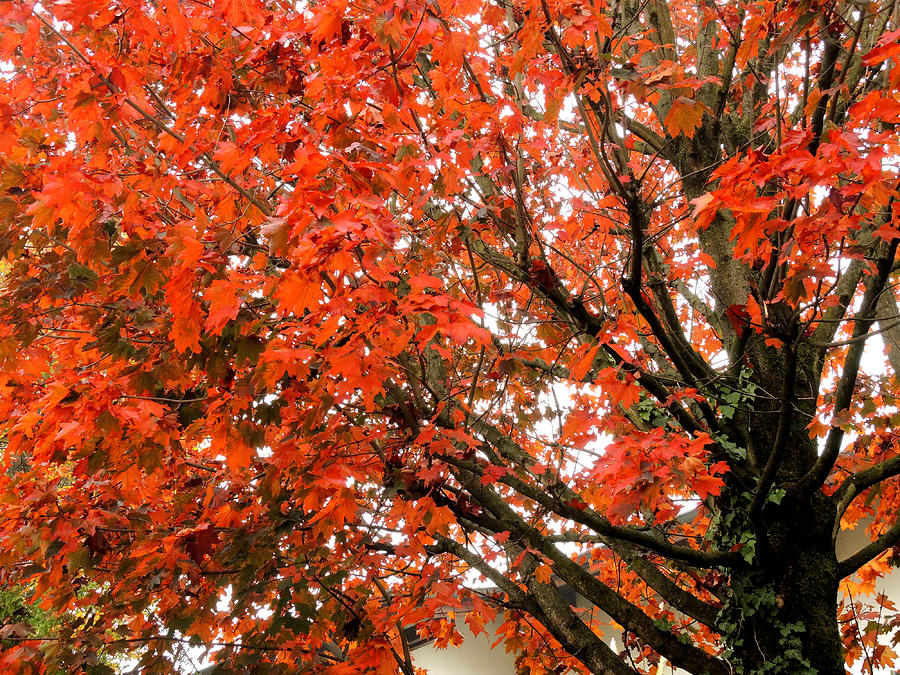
<point x="493" y="473"/>
<point x="889" y="47"/>
<point x="186" y="328"/>
<point x="199" y="542"/>
<point x="739" y="317"/>
<point x="117" y="79"/>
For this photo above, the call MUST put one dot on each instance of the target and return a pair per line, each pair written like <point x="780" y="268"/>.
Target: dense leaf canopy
<point x="321" y="319"/>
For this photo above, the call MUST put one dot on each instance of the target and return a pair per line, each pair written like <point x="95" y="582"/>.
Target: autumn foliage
<point x="322" y="320"/>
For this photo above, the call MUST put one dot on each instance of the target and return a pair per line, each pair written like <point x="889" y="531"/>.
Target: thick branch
<point x="826" y="78"/>
<point x="676" y="596"/>
<point x="890" y="330"/>
<point x="646" y="134"/>
<point x="861" y="481"/>
<point x="870" y="552"/>
<point x="667" y="644"/>
<point x="574" y="312"/>
<point x="785" y="419"/>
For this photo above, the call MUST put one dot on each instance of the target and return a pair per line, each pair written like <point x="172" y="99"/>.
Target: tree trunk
<point x="784" y="608"/>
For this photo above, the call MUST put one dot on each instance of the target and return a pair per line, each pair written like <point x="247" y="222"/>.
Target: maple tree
<point x="313" y="313"/>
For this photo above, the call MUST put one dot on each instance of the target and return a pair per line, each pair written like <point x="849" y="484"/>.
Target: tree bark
<point x="784" y="606"/>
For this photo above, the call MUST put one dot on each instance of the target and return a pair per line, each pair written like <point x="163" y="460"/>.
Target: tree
<point x="314" y="312"/>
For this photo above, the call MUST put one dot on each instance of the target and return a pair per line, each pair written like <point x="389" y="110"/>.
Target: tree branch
<point x="847" y="383"/>
<point x="861" y="481"/>
<point x="887" y="306"/>
<point x="870" y="552"/>
<point x="785" y="418"/>
<point x="576" y="314"/>
<point x="622" y="611"/>
<point x="671" y="592"/>
<point x="564" y="501"/>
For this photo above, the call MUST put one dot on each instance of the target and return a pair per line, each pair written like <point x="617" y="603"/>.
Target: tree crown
<point x="323" y="308"/>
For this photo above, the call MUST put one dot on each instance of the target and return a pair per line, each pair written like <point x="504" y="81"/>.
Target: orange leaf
<point x="543" y="574"/>
<point x="186" y="329"/>
<point x="684" y="117"/>
<point x="297" y="294"/>
<point x="224" y="305"/>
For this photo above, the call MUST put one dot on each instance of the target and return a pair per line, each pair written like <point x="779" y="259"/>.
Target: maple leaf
<point x="543" y="574"/>
<point x="888" y="47"/>
<point x="199" y="542"/>
<point x="224" y="304"/>
<point x="297" y="294"/>
<point x="186" y="328"/>
<point x="685" y="116"/>
<point x="493" y="473"/>
<point x="277" y="231"/>
<point x="738" y="316"/>
<point x="438" y="520"/>
<point x="175" y="16"/>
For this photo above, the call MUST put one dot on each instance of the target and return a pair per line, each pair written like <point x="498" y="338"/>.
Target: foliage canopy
<point x="313" y="312"/>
